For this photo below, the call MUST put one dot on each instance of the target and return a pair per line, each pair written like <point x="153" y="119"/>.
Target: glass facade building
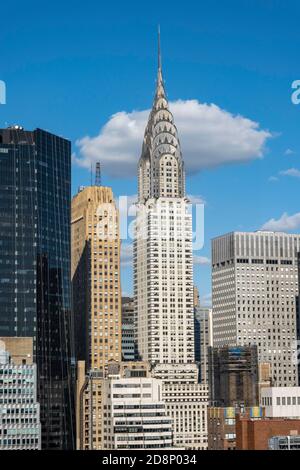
<point x="19" y="410"/>
<point x="35" y="291"/>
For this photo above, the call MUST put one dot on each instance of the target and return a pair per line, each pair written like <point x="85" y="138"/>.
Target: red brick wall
<point x="254" y="434"/>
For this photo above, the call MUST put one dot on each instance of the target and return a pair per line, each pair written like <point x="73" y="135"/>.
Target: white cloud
<point x="196" y="199"/>
<point x="273" y="178"/>
<point x="210" y="136"/>
<point x="203" y="260"/>
<point x="284" y="224"/>
<point x="291" y="172"/>
<point x="289" y="152"/>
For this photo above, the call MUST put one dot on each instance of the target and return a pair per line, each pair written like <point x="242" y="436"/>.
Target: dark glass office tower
<point x="35" y="292"/>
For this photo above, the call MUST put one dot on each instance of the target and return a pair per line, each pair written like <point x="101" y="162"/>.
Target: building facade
<point x="89" y="408"/>
<point x="163" y="276"/>
<point x="187" y="405"/>
<point x="122" y="411"/>
<point x="128" y="330"/>
<point x="285" y="442"/>
<point x="221" y="428"/>
<point x="96" y="277"/>
<point x="255" y="297"/>
<point x="136" y="414"/>
<point x="264" y="374"/>
<point x="254" y="434"/>
<point x="222" y="425"/>
<point x="233" y="376"/>
<point x="233" y="387"/>
<point x="163" y="263"/>
<point x="281" y="402"/>
<point x="20" y="427"/>
<point x="35" y="290"/>
<point x="203" y="333"/>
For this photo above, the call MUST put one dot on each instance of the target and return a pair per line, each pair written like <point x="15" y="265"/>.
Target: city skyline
<point x="150" y="227"/>
<point x="242" y="72"/>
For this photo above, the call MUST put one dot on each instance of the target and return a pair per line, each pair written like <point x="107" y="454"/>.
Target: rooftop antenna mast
<point x="98" y="174"/>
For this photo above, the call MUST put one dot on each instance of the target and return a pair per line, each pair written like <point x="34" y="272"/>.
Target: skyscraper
<point x="163" y="264"/>
<point x="35" y="293"/>
<point x="97" y="305"/>
<point x="255" y="289"/>
<point x="163" y="275"/>
<point x="96" y="277"/>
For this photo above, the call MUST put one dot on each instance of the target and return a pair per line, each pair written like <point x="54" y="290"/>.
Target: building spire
<point x="159" y="49"/>
<point x="160" y="83"/>
<point x="161" y="153"/>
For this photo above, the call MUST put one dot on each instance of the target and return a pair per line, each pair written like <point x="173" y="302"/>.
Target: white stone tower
<point x="163" y="276"/>
<point x="163" y="264"/>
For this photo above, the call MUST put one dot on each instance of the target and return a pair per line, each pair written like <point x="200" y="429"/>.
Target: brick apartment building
<point x="221" y="424"/>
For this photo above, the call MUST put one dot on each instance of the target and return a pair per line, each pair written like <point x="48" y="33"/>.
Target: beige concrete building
<point x="186" y="404"/>
<point x="96" y="277"/>
<point x="125" y="410"/>
<point x="20" y="349"/>
<point x="196" y="297"/>
<point x="97" y="304"/>
<point x="135" y="414"/>
<point x="255" y="287"/>
<point x="89" y="409"/>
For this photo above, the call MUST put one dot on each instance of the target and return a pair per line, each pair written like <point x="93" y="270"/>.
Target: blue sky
<point x="70" y="66"/>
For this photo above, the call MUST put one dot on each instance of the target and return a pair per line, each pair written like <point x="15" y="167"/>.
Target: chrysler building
<point x="163" y="265"/>
<point x="163" y="275"/>
<point x="161" y="169"/>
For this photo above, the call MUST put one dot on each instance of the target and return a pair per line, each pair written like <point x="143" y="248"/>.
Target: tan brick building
<point x="96" y="277"/>
<point x="97" y="304"/>
<point x="89" y="409"/>
<point x="20" y="349"/>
